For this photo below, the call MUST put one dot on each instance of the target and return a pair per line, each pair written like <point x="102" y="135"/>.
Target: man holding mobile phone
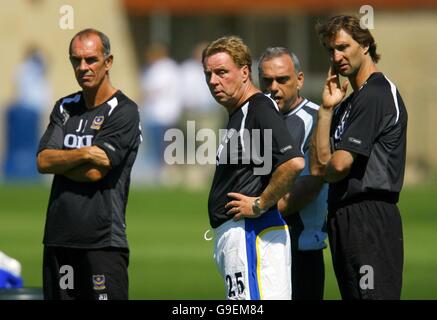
<point x="359" y="148"/>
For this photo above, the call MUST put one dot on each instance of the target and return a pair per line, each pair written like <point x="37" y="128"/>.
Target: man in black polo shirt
<point x="257" y="162"/>
<point x="90" y="145"/>
<point x="365" y="167"/>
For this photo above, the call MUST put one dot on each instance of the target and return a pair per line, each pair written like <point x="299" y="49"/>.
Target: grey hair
<point x="274" y="52"/>
<point x="103" y="38"/>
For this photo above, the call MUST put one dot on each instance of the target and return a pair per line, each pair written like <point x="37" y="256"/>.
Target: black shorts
<point x="307" y="275"/>
<point x="367" y="249"/>
<point x="85" y="274"/>
<point x="307" y="267"/>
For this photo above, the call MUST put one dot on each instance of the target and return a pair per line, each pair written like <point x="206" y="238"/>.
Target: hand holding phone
<point x="333" y="91"/>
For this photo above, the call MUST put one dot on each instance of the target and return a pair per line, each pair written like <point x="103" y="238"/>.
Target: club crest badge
<point x="99" y="282"/>
<point x="97" y="122"/>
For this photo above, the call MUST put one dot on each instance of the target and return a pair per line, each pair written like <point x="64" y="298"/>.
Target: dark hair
<point x="351" y="25"/>
<point x="103" y="38"/>
<point x="233" y="46"/>
<point x="274" y="52"/>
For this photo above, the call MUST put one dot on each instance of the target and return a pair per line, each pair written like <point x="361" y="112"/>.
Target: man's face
<point x="279" y="78"/>
<point x="88" y="61"/>
<point x="224" y="78"/>
<point x="346" y="54"/>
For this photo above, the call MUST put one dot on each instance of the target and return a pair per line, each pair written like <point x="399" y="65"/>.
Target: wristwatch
<point x="256" y="208"/>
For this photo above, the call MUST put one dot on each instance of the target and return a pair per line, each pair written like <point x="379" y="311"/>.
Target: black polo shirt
<point x="372" y="123"/>
<point x="255" y="143"/>
<point x="92" y="214"/>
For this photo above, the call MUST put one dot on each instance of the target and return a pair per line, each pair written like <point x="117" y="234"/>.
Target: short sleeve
<point x="296" y="128"/>
<point x="362" y="126"/>
<point x="284" y="146"/>
<point x="54" y="134"/>
<point x="300" y="140"/>
<point x="120" y="133"/>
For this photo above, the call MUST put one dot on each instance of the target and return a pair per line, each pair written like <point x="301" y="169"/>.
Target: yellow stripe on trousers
<point x="258" y="256"/>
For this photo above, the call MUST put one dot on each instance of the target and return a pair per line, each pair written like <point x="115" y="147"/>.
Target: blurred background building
<point x="405" y="31"/>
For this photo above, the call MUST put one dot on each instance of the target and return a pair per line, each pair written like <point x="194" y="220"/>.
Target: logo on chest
<point x="97" y="122"/>
<point x="341" y="125"/>
<point x="75" y="142"/>
<point x="79" y="140"/>
<point x="225" y="140"/>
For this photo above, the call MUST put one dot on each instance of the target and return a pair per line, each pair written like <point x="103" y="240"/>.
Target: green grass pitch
<point x="170" y="259"/>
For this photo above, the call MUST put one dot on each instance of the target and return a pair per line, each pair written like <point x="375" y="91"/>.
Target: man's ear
<point x="108" y="62"/>
<point x="300" y="80"/>
<point x="365" y="49"/>
<point x="245" y="72"/>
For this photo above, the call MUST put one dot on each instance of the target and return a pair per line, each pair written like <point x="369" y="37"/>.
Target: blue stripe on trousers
<point x="253" y="228"/>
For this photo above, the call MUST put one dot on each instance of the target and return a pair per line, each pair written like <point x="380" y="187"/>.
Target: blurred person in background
<point x="161" y="108"/>
<point x="200" y="107"/>
<point x="33" y="88"/>
<point x="195" y="94"/>
<point x="23" y="117"/>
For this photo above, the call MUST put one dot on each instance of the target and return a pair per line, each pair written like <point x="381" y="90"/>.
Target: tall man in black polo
<point x="257" y="162"/>
<point x="365" y="167"/>
<point x="90" y="146"/>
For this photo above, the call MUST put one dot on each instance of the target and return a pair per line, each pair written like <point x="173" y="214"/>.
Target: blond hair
<point x="232" y="45"/>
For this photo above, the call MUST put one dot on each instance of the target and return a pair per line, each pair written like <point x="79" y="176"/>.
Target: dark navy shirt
<point x="372" y="123"/>
<point x="92" y="214"/>
<point x="255" y="143"/>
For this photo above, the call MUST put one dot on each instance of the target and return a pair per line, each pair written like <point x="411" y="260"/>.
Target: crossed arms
<point x="87" y="164"/>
